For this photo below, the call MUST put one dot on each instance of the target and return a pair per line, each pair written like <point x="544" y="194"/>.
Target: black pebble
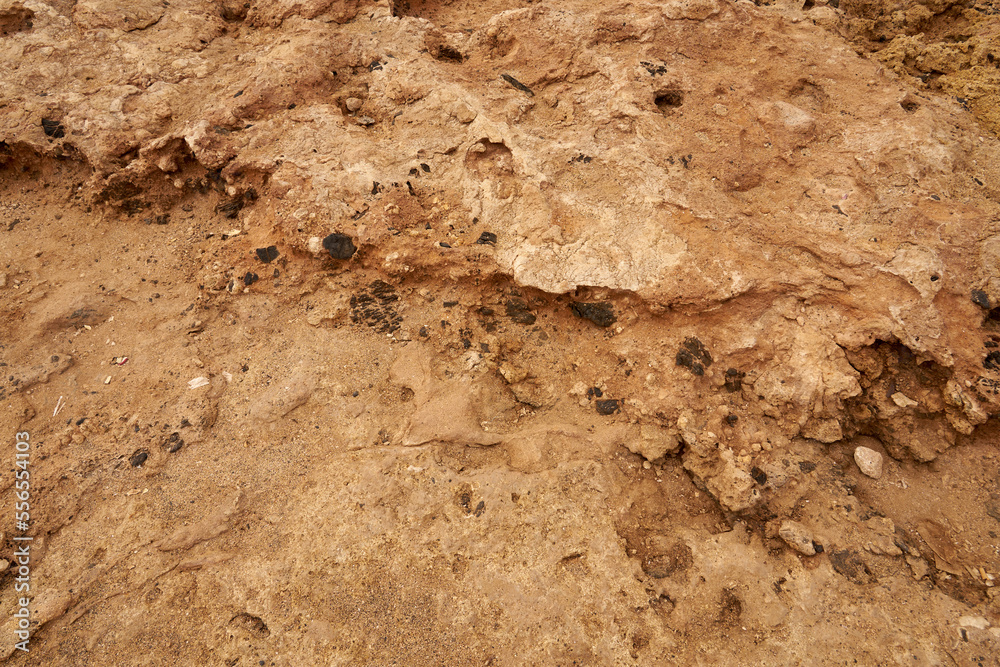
<point x="518" y="311"/>
<point x="601" y="314"/>
<point x="268" y="254"/>
<point x="608" y="406"/>
<point x="174" y="442"/>
<point x="445" y="245"/>
<point x="731" y="420"/>
<point x="734" y="380"/>
<point x="53" y="128"/>
<point x="693" y="356"/>
<point x="981" y="299"/>
<point x="138" y="458"/>
<point x="340" y="246"/>
<point x="250" y="278"/>
<point x="818" y="548"/>
<point x="487" y="238"/>
<point x="758" y="475"/>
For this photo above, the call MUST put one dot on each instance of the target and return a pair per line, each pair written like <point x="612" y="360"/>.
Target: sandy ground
<point x="247" y="451"/>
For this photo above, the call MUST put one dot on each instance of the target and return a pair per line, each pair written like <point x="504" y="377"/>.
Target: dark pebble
<point x="601" y="314"/>
<point x="694" y="356"/>
<point x="444" y="245"/>
<point x="340" y="246"/>
<point x="53" y="128"/>
<point x="138" y="458"/>
<point x="174" y="443"/>
<point x="734" y="380"/>
<point x="594" y="391"/>
<point x="758" y="475"/>
<point x="686" y="359"/>
<point x="608" y="406"/>
<point x="250" y="278"/>
<point x="731" y="420"/>
<point x="807" y="466"/>
<point x="818" y="547"/>
<point x="981" y="299"/>
<point x="518" y="311"/>
<point x="268" y="254"/>
<point x="487" y="238"/>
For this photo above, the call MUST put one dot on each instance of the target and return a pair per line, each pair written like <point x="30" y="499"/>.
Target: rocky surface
<point x="540" y="333"/>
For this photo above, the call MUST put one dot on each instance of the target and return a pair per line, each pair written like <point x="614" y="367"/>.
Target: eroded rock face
<point x="731" y="176"/>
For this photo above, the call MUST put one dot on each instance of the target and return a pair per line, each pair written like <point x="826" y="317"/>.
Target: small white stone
<point x="353" y="104"/>
<point x="869" y="461"/>
<point x="977" y="622"/>
<point x="903" y="401"/>
<point x="198" y="382"/>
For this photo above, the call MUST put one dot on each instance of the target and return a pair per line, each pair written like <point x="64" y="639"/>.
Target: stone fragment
<point x="340" y="246"/>
<point x="797" y="537"/>
<point x="869" y="461"/>
<point x="601" y="314"/>
<point x="268" y="254"/>
<point x="903" y="401"/>
<point x="353" y="104"/>
<point x="608" y="406"/>
<point x="465" y="114"/>
<point x="653" y="442"/>
<point x="977" y="622"/>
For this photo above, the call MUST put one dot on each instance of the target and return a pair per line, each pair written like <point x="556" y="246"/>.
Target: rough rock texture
<point x="523" y="248"/>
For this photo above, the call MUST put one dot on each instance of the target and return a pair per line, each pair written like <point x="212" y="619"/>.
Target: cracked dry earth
<point x="500" y="333"/>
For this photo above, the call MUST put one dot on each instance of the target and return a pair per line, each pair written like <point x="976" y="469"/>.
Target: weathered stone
<point x="797" y="537"/>
<point x="869" y="461"/>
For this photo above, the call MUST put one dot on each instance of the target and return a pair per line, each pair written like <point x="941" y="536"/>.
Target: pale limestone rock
<point x="869" y="462"/>
<point x="797" y="537"/>
<point x="653" y="442"/>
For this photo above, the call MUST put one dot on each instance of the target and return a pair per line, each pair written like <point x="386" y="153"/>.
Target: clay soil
<point x="317" y="461"/>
